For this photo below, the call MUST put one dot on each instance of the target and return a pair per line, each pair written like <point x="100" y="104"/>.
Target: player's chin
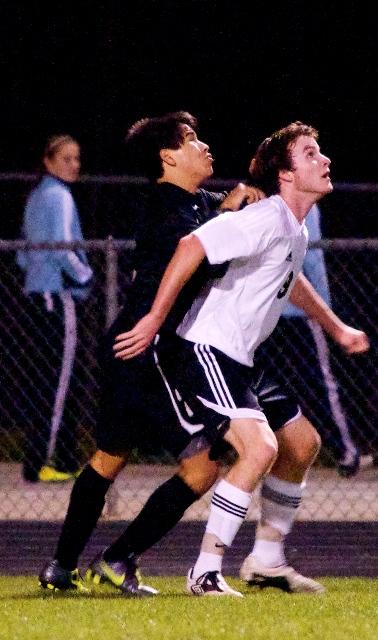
<point x="324" y="191"/>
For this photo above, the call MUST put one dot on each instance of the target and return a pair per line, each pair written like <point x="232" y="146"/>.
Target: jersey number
<point x="283" y="291"/>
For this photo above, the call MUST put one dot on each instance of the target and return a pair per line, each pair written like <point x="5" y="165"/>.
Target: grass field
<point x="349" y="609"/>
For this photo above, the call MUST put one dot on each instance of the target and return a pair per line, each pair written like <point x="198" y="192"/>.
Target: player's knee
<point x="299" y="443"/>
<point x="261" y="452"/>
<point x="106" y="464"/>
<point x="302" y="453"/>
<point x="199" y="474"/>
<point x="267" y="452"/>
<point x="254" y="442"/>
<point x="308" y="449"/>
<point x="313" y="446"/>
<point x="206" y="478"/>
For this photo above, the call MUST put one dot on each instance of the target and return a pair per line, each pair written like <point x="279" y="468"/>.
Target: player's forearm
<point x="185" y="261"/>
<point x="305" y="297"/>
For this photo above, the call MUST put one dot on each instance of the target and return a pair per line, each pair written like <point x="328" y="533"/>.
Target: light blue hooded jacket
<point x="314" y="267"/>
<point x="51" y="216"/>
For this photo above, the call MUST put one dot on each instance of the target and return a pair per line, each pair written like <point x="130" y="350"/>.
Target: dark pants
<point x="49" y="406"/>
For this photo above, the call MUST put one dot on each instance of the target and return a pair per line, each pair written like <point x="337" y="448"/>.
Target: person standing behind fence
<point x="308" y="366"/>
<point x="55" y="281"/>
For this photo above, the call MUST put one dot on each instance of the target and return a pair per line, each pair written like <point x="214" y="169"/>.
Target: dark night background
<point x="244" y="68"/>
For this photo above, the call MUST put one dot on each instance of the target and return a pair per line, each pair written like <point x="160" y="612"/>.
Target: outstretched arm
<point x="185" y="261"/>
<point x="304" y="296"/>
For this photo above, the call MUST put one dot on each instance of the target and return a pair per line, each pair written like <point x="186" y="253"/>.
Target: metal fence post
<point x="111" y="297"/>
<point x="111" y="293"/>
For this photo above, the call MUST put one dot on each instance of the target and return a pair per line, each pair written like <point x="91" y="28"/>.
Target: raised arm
<point x="185" y="261"/>
<point x="304" y="296"/>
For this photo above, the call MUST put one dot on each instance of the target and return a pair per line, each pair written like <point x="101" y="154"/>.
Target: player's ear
<point x="167" y="157"/>
<point x="285" y="175"/>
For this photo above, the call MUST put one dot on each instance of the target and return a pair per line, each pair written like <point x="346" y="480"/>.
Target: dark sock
<point x="86" y="504"/>
<point x="161" y="512"/>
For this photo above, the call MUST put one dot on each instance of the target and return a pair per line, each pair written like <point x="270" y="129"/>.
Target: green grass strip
<point x="348" y="609"/>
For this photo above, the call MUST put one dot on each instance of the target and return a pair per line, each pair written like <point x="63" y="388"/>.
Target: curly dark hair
<point x="148" y="136"/>
<point x="274" y="155"/>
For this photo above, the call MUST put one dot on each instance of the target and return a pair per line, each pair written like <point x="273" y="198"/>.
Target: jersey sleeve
<point x="239" y="234"/>
<point x="213" y="199"/>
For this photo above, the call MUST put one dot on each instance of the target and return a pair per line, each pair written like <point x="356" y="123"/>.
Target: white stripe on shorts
<point x="214" y="376"/>
<point x="240" y="412"/>
<point x="224" y="402"/>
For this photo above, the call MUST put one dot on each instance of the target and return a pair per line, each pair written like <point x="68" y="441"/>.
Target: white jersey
<point x="265" y="245"/>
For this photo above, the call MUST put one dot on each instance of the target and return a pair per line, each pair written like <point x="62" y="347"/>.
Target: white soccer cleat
<point x="211" y="583"/>
<point x="283" y="577"/>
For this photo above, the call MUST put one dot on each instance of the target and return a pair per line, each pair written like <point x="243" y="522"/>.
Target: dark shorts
<point x="134" y="407"/>
<point x="275" y="398"/>
<point x="136" y="411"/>
<point x="207" y="388"/>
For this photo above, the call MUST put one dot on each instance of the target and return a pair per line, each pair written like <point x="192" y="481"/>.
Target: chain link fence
<point x="352" y="274"/>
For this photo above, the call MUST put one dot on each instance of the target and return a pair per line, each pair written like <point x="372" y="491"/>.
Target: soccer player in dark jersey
<point x="131" y="410"/>
<point x="171" y="155"/>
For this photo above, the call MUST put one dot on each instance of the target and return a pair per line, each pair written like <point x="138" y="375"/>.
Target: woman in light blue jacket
<point x="55" y="280"/>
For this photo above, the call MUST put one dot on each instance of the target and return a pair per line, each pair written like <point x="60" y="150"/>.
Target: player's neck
<point x="299" y="204"/>
<point x="188" y="182"/>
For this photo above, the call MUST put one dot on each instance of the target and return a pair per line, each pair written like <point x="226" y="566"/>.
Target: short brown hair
<point x="274" y="155"/>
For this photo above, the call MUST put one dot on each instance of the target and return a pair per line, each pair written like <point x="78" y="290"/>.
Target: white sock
<point x="280" y="500"/>
<point x="229" y="506"/>
<point x="269" y="553"/>
<point x="207" y="562"/>
<point x="228" y="509"/>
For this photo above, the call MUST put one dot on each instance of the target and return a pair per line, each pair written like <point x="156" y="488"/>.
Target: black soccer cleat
<point x="123" y="575"/>
<point x="55" y="578"/>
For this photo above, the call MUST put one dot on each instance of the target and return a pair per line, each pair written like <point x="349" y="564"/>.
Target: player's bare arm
<point x="185" y="261"/>
<point x="305" y="297"/>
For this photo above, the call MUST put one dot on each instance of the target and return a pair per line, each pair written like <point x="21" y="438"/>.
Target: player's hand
<point x="240" y="195"/>
<point x="134" y="342"/>
<point x="352" y="340"/>
<point x="254" y="195"/>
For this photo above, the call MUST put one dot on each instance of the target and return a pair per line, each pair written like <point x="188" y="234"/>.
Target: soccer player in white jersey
<point x="211" y="373"/>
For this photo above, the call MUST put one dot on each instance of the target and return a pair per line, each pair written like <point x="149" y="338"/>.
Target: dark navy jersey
<point x="168" y="214"/>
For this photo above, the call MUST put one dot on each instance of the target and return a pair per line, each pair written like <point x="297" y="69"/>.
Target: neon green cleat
<point x="123" y="575"/>
<point x="55" y="578"/>
<point x="49" y="474"/>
